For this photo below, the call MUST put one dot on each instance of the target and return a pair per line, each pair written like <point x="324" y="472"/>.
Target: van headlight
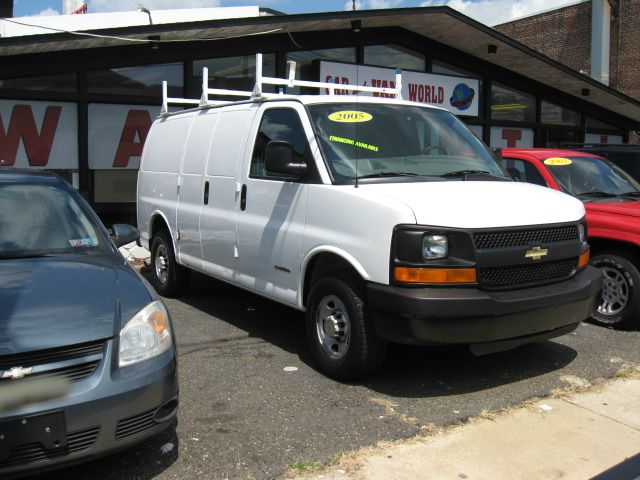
<point x="434" y="246"/>
<point x="581" y="232"/>
<point x="146" y="335"/>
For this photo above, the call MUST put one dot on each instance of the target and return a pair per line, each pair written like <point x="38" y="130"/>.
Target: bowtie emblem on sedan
<point x="16" y="373"/>
<point x="536" y="253"/>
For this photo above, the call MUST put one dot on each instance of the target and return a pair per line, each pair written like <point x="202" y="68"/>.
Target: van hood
<point x="51" y="302"/>
<point x="482" y="204"/>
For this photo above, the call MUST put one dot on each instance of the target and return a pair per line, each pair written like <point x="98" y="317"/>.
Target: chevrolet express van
<point x="382" y="219"/>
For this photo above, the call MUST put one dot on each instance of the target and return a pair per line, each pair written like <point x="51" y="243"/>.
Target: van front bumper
<point x="470" y="316"/>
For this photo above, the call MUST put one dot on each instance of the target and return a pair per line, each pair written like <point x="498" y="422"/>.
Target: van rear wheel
<point x="342" y="339"/>
<point x="168" y="278"/>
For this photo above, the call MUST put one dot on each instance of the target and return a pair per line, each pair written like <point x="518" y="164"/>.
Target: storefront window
<point x="594" y="124"/>
<point x="394" y="56"/>
<point x="556" y="115"/>
<point x="138" y="81"/>
<point x="511" y="104"/>
<point x="59" y="82"/>
<point x="233" y="73"/>
<point x="561" y="138"/>
<point x="438" y="66"/>
<point x="308" y="69"/>
<point x="114" y="186"/>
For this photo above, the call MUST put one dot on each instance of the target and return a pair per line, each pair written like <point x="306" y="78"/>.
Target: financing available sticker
<point x="349" y="141"/>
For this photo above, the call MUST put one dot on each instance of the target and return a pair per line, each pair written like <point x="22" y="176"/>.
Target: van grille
<point x="514" y="276"/>
<point x="522" y="238"/>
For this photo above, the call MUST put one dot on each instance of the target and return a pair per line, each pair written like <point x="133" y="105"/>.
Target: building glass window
<point x="553" y="114"/>
<point x="114" y="186"/>
<point x="307" y="67"/>
<point x="234" y="73"/>
<point x="594" y="124"/>
<point x="513" y="105"/>
<point x="438" y="66"/>
<point x="138" y="81"/>
<point x="558" y="138"/>
<point x="394" y="56"/>
<point x="57" y="82"/>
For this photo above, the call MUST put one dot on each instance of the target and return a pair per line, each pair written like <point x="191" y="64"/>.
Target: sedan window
<point x="39" y="219"/>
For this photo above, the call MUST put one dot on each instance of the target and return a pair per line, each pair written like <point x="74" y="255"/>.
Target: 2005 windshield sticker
<point x="83" y="242"/>
<point x="349" y="141"/>
<point x="557" y="161"/>
<point x="350" y="116"/>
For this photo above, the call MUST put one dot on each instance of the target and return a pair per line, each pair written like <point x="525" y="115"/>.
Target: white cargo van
<point x="384" y="220"/>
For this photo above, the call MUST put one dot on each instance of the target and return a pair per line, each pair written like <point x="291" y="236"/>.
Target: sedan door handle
<point x="206" y="193"/>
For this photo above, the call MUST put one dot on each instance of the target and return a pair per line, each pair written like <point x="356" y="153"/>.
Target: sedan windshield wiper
<point x="634" y="194"/>
<point x="597" y="193"/>
<point x="15" y="254"/>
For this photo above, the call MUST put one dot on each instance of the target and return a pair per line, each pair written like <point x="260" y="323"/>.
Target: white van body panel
<point x="158" y="179"/>
<point x="481" y="204"/>
<point x="357" y="221"/>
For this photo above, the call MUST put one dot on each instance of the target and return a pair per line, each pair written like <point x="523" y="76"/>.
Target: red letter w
<point x="23" y="125"/>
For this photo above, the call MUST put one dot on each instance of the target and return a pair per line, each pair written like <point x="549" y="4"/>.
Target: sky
<point x="490" y="12"/>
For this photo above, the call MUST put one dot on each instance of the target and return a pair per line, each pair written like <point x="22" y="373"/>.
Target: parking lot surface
<point x="244" y="416"/>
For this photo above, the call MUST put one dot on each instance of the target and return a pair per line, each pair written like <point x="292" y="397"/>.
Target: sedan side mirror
<point x="123" y="234"/>
<point x="278" y="159"/>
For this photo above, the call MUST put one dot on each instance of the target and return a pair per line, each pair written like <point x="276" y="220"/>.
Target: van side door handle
<point x="243" y="198"/>
<point x="206" y="193"/>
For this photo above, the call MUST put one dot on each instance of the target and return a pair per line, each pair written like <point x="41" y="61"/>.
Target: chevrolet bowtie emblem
<point x="16" y="373"/>
<point x="536" y="253"/>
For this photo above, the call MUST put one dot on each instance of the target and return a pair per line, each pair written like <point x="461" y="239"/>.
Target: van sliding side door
<point x="220" y="195"/>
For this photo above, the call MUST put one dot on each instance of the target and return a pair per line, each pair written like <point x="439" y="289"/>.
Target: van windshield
<point x="366" y="141"/>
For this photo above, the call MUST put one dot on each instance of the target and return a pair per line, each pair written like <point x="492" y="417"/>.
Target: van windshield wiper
<point x="465" y="173"/>
<point x="390" y="174"/>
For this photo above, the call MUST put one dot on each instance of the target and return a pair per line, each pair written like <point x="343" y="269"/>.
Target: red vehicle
<point x="612" y="201"/>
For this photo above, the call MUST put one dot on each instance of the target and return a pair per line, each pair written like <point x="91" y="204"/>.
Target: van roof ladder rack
<point x="261" y="80"/>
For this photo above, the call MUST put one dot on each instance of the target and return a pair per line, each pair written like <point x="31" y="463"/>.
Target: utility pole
<point x="354" y="5"/>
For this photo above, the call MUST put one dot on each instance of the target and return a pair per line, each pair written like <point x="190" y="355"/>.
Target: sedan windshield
<point x="594" y="177"/>
<point x="41" y="220"/>
<point x="367" y="141"/>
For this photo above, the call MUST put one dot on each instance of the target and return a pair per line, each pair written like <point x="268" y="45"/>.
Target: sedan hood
<point x="632" y="209"/>
<point x="482" y="204"/>
<point x="50" y="302"/>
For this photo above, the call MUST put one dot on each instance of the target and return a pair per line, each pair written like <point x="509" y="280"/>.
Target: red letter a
<point x="138" y="122"/>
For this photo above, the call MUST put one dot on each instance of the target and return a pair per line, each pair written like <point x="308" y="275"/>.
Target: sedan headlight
<point x="146" y="335"/>
<point x="434" y="246"/>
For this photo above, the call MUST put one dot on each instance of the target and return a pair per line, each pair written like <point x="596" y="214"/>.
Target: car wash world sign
<point x="459" y="95"/>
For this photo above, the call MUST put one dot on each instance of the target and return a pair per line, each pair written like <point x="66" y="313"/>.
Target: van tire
<point x="168" y="278"/>
<point x="619" y="307"/>
<point x="342" y="339"/>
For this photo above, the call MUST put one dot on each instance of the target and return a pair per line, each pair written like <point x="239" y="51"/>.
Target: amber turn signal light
<point x="584" y="259"/>
<point x="435" y="275"/>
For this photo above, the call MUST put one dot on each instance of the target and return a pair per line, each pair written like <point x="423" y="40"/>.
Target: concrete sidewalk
<point x="574" y="436"/>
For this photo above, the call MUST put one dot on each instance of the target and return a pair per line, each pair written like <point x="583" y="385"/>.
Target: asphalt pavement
<point x="244" y="415"/>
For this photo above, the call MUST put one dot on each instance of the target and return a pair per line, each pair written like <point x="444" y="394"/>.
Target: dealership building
<point x="78" y="93"/>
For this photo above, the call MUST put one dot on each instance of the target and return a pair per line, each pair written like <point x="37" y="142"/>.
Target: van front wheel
<point x="343" y="342"/>
<point x="168" y="278"/>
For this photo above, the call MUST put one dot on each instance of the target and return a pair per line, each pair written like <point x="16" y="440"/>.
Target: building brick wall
<point x="565" y="36"/>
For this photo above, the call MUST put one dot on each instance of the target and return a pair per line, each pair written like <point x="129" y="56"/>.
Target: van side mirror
<point x="497" y="152"/>
<point x="278" y="159"/>
<point x="123" y="234"/>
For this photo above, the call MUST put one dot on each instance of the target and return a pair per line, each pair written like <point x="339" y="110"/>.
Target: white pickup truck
<point x="383" y="219"/>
